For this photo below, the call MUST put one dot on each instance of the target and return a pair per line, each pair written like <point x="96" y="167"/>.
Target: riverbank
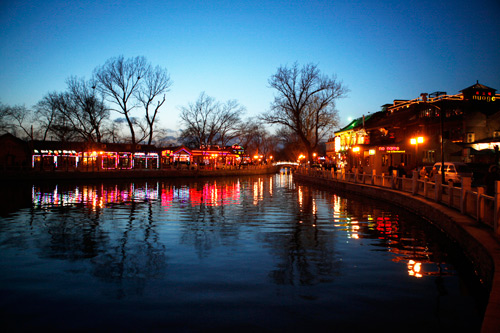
<point x="480" y="245"/>
<point x="33" y="175"/>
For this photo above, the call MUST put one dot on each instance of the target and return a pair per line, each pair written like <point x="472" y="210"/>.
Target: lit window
<point x="496" y="134"/>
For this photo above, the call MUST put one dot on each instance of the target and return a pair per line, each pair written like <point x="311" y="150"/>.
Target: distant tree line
<point x="134" y="90"/>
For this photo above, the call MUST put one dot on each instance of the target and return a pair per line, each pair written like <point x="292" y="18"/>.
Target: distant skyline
<point x="381" y="50"/>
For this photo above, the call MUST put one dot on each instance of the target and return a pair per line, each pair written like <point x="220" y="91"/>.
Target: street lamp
<point x="416" y="141"/>
<point x="441" y="119"/>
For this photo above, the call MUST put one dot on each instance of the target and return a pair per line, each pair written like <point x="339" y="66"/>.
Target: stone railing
<point x="472" y="202"/>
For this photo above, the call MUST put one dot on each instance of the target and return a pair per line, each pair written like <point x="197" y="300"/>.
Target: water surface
<point x="251" y="253"/>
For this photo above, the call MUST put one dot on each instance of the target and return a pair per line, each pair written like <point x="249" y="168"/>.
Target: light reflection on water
<point x="253" y="252"/>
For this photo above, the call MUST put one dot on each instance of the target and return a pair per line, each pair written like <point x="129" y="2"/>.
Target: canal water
<point x="260" y="253"/>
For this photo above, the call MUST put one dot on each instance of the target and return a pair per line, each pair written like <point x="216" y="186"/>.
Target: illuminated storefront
<point x="412" y="133"/>
<point x="54" y="159"/>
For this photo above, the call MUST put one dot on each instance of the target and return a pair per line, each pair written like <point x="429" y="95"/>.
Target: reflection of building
<point x="468" y="122"/>
<point x="99" y="196"/>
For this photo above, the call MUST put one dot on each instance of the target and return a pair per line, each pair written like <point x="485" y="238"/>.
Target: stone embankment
<point x="479" y="243"/>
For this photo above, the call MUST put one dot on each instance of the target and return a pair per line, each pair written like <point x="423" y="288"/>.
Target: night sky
<point x="381" y="50"/>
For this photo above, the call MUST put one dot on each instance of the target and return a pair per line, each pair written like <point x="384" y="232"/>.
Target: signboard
<point x="483" y="96"/>
<point x="391" y="149"/>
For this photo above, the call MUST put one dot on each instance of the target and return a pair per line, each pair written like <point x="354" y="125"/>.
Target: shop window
<point x="429" y="156"/>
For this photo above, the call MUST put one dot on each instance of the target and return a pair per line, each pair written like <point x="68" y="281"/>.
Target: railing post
<point x="414" y="182"/>
<point x="374" y="172"/>
<point x="496" y="207"/>
<point x="466" y="186"/>
<point x="450" y="193"/>
<point x="393" y="179"/>
<point x="438" y="189"/>
<point x="426" y="187"/>
<point x="480" y="203"/>
<point x="463" y="200"/>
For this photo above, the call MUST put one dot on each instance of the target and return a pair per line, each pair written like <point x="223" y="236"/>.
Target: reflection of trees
<point x="126" y="256"/>
<point x="68" y="236"/>
<point x="206" y="224"/>
<point x="134" y="256"/>
<point x="306" y="253"/>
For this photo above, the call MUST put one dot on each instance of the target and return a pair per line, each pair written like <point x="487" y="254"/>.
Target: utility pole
<point x="441" y="116"/>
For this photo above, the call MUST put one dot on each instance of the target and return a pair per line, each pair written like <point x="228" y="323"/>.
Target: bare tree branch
<point x="156" y="82"/>
<point x="119" y="79"/>
<point x="208" y="122"/>
<point x="305" y="103"/>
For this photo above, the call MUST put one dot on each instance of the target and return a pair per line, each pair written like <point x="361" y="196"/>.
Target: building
<point x="462" y="127"/>
<point x="14" y="153"/>
<point x="204" y="157"/>
<point x="92" y="156"/>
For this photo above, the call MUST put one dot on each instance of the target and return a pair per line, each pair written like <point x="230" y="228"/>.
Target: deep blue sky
<point x="382" y="50"/>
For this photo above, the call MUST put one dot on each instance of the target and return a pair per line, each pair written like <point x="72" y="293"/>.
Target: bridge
<point x="287" y="164"/>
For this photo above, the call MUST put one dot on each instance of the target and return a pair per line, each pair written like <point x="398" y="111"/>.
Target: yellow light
<point x="355" y="149"/>
<point x="414" y="141"/>
<point x="372" y="151"/>
<point x="256" y="156"/>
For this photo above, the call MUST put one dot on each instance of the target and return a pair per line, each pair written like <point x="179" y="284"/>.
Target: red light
<point x="477" y="92"/>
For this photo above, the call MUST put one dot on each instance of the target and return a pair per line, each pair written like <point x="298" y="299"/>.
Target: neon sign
<point x="391" y="149"/>
<point x="485" y="97"/>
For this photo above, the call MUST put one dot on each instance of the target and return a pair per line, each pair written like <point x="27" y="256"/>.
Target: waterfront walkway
<point x="469" y="217"/>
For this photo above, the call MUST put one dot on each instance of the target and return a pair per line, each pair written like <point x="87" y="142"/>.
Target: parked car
<point x="454" y="171"/>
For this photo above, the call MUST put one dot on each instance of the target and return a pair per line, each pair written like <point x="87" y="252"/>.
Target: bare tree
<point x="248" y="132"/>
<point x="52" y="119"/>
<point x="305" y="103"/>
<point x="119" y="80"/>
<point x="17" y="120"/>
<point x="114" y="131"/>
<point x="255" y="138"/>
<point x="229" y="118"/>
<point x="156" y="82"/>
<point x="6" y="125"/>
<point x="208" y="122"/>
<point x="85" y="109"/>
